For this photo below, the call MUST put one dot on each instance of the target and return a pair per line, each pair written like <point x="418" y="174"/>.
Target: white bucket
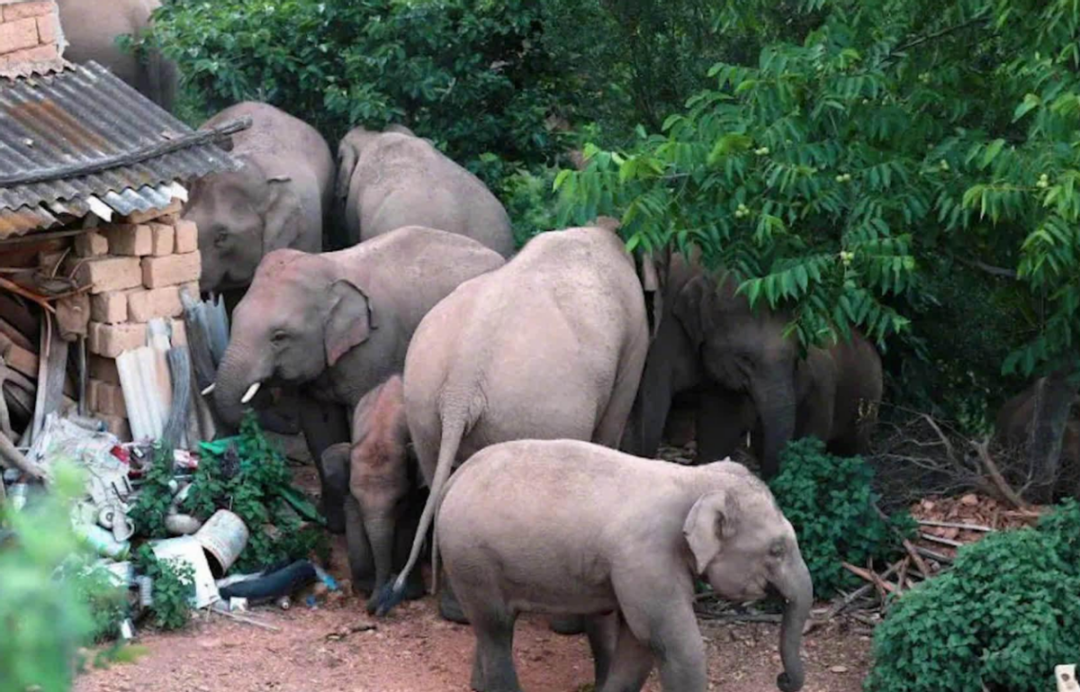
<point x="223" y="536"/>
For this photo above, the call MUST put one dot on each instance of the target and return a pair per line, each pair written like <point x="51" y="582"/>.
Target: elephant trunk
<point x="381" y="530"/>
<point x="239" y="370"/>
<point x="774" y="399"/>
<point x="799" y="593"/>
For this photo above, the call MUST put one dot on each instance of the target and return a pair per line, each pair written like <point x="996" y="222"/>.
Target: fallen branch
<point x="908" y="546"/>
<point x="29" y="295"/>
<point x="934" y="556"/>
<point x="956" y="525"/>
<point x="246" y="620"/>
<point x="1010" y="495"/>
<point x="901" y="579"/>
<point x="11" y="457"/>
<point x="868" y="576"/>
<point x="943" y="541"/>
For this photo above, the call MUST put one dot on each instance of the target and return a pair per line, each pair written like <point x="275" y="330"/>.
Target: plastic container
<point x="103" y="541"/>
<point x="223" y="536"/>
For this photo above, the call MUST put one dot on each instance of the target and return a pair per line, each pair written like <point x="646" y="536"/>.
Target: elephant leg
<point x="323" y="425"/>
<point x="407" y="526"/>
<point x="449" y="607"/>
<point x="603" y="634"/>
<point x="722" y="421"/>
<point x="569" y="625"/>
<point x="361" y="563"/>
<point x="494" y="663"/>
<point x="630" y="665"/>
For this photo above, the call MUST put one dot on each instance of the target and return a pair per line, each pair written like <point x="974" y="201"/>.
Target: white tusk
<point x="209" y="389"/>
<point x="250" y="393"/>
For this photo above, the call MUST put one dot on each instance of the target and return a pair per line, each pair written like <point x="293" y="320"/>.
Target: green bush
<point x="469" y="74"/>
<point x="1001" y="619"/>
<point x="830" y="502"/>
<point x="174" y="585"/>
<point x="43" y="620"/>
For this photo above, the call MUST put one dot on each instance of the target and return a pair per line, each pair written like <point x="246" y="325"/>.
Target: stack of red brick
<point x="29" y="32"/>
<point x="136" y="270"/>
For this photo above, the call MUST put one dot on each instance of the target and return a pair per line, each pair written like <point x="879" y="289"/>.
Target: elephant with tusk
<point x="330" y="327"/>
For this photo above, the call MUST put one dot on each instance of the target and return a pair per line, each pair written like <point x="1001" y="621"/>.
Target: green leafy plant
<point x="249" y="475"/>
<point x="1001" y="619"/>
<point x="44" y="620"/>
<point x="96" y="587"/>
<point x="152" y="505"/>
<point x="830" y="502"/>
<point x="174" y="586"/>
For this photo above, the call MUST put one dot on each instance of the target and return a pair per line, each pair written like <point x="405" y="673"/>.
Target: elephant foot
<point x="335" y="517"/>
<point x="450" y="609"/>
<point x="363" y="586"/>
<point x="567" y="626"/>
<point x="415" y="589"/>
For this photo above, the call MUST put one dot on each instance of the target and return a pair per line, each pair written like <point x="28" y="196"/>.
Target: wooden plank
<point x="11" y="332"/>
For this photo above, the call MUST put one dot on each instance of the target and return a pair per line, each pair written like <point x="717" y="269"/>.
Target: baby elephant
<point x="567" y="527"/>
<point x="381" y="489"/>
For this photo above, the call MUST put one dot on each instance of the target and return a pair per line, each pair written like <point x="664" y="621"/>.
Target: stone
<point x="91" y="244"/>
<point x="18" y="34"/>
<point x="133" y="240"/>
<point x="105" y="274"/>
<point x="110" y="307"/>
<point x="171" y="270"/>
<point x="187" y="236"/>
<point x="110" y="340"/>
<point x="106" y="398"/>
<point x="23" y="10"/>
<point x="103" y="369"/>
<point x="145" y="305"/>
<point x="162" y="239"/>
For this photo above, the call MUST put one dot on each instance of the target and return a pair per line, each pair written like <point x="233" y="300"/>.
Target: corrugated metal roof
<point x="84" y="115"/>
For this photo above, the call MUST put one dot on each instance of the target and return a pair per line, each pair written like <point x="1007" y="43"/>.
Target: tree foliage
<point x="828" y="173"/>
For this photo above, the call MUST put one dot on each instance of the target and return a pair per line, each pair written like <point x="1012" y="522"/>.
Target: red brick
<point x="103" y="369"/>
<point x="22" y="10"/>
<point x="162" y="239"/>
<point x="110" y="308"/>
<point x="171" y="270"/>
<point x="39" y="54"/>
<point x="18" y="35"/>
<point x="110" y="273"/>
<point x="106" y="398"/>
<point x="48" y="260"/>
<point x="117" y="426"/>
<point x="46" y="28"/>
<point x="129" y="239"/>
<point x="91" y="244"/>
<point x="110" y="340"/>
<point x="187" y="236"/>
<point x="145" y="305"/>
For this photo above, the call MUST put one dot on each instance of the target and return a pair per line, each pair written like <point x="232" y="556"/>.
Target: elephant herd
<point x="510" y="401"/>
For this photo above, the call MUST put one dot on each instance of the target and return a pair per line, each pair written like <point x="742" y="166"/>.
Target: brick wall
<point x="136" y="269"/>
<point x="29" y="32"/>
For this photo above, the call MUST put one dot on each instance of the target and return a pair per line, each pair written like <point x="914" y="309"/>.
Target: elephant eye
<point x="279" y="337"/>
<point x="777" y="549"/>
<point x="221" y="237"/>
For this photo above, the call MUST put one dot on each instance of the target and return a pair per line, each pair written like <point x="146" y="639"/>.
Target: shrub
<point x="830" y="502"/>
<point x="174" y="585"/>
<point x="1001" y="619"/>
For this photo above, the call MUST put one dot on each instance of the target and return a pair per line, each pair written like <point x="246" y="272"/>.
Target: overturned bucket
<point x="223" y="537"/>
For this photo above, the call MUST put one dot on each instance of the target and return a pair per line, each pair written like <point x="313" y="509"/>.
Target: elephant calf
<point x="383" y="500"/>
<point x="568" y="527"/>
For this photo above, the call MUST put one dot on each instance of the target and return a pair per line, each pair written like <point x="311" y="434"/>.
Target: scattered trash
<point x="127" y="630"/>
<point x="224" y="536"/>
<point x="146" y="591"/>
<point x="103" y="541"/>
<point x="238" y="605"/>
<point x="188" y="550"/>
<point x="284" y="603"/>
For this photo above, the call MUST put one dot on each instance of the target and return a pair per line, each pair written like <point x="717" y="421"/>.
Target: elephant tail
<point x="452" y="432"/>
<point x="347" y="158"/>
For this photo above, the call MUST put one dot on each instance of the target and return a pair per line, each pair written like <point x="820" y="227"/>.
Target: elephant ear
<point x="690" y="306"/>
<point x="653" y="272"/>
<point x="350" y="322"/>
<point x="707" y="526"/>
<point x="281" y="211"/>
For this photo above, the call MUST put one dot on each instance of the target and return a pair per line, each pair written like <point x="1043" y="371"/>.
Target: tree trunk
<point x="1053" y="401"/>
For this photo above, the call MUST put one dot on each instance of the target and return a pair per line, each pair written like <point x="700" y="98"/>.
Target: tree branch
<point x="938" y="34"/>
<point x="989" y="268"/>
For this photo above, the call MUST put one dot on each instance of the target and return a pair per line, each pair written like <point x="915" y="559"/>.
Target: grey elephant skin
<point x="279" y="199"/>
<point x="332" y="326"/>
<point x="746" y="376"/>
<point x="567" y="527"/>
<point x="1013" y="430"/>
<point x="91" y="29"/>
<point x="550" y="346"/>
<point x="391" y="179"/>
<point x="384" y="498"/>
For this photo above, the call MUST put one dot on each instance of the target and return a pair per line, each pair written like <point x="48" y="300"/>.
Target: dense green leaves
<point x="1001" y="619"/>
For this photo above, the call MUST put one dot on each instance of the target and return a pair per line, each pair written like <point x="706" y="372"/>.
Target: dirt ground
<point x="337" y="647"/>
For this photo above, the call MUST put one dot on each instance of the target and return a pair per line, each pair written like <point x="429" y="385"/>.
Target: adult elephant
<point x="91" y="29"/>
<point x="1013" y="430"/>
<point x="333" y="326"/>
<point x="279" y="198"/>
<point x="746" y="376"/>
<point x="393" y="178"/>
<point x="550" y="346"/>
